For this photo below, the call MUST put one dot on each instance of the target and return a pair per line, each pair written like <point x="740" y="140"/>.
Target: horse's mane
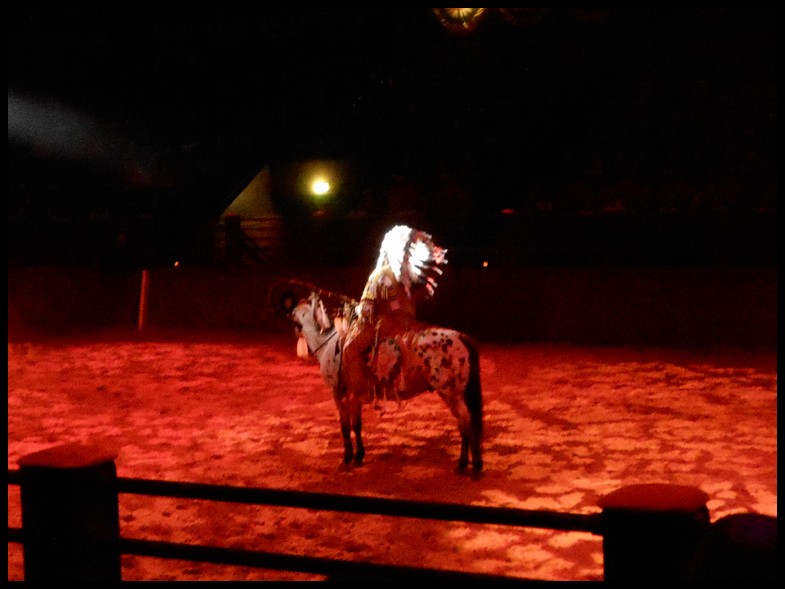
<point x="286" y="294"/>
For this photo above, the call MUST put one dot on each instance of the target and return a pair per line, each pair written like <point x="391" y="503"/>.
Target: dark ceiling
<point x="130" y="109"/>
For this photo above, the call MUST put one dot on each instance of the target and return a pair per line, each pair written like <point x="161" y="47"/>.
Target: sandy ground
<point x="563" y="426"/>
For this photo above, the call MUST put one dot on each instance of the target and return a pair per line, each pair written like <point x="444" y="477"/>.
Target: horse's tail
<point x="473" y="393"/>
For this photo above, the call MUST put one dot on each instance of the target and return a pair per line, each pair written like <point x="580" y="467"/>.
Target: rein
<point x="321" y="345"/>
<point x="321" y="291"/>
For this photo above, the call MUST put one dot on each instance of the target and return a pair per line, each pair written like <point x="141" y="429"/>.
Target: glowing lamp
<point x="459" y="20"/>
<point x="320" y="187"/>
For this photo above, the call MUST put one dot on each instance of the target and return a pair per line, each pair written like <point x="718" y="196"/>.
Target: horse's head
<point x="314" y="328"/>
<point x="302" y="314"/>
<point x="311" y="315"/>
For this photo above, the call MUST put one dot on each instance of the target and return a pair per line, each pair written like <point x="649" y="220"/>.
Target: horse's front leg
<point x="357" y="427"/>
<point x="348" y="450"/>
<point x="346" y="430"/>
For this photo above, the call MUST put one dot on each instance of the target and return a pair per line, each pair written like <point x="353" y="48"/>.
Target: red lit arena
<point x="563" y="427"/>
<point x="606" y="184"/>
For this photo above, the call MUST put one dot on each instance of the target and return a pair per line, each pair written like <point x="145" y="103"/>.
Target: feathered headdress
<point x="412" y="256"/>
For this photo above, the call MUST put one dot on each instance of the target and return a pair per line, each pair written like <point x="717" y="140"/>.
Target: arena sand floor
<point x="563" y="426"/>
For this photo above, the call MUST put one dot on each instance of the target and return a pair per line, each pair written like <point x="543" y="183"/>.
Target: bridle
<point x="326" y="341"/>
<point x="321" y="345"/>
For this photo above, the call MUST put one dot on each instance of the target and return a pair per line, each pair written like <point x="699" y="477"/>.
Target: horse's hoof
<point x="357" y="462"/>
<point x="345" y="466"/>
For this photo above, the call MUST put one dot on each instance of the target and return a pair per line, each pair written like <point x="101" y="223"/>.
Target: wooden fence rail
<point x="367" y="505"/>
<point x="70" y="524"/>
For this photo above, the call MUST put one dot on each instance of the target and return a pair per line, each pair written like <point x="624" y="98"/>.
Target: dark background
<point x="635" y="136"/>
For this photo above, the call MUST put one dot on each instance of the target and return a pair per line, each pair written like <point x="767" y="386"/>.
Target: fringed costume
<point x="406" y="268"/>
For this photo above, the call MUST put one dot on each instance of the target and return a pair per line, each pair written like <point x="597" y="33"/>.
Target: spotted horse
<point x="424" y="359"/>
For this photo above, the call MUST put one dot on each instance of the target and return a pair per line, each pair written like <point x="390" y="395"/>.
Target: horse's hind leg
<point x="470" y="440"/>
<point x="476" y="452"/>
<point x="463" y="459"/>
<point x="461" y="413"/>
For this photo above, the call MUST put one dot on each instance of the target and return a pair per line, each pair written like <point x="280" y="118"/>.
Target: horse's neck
<point x="327" y="353"/>
<point x="317" y="339"/>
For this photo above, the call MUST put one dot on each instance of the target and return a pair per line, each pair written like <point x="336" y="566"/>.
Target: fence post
<point x="70" y="515"/>
<point x="143" y="297"/>
<point x="652" y="531"/>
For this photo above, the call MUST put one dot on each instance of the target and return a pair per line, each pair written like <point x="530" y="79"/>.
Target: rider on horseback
<point x="407" y="261"/>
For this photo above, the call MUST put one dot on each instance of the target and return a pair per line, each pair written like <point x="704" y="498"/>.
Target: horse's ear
<point x="320" y="314"/>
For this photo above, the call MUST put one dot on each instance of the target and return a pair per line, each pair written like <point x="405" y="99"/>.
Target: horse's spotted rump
<point x="440" y="352"/>
<point x="444" y="356"/>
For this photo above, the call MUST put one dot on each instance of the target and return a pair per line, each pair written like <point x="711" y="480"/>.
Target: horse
<point x="423" y="359"/>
